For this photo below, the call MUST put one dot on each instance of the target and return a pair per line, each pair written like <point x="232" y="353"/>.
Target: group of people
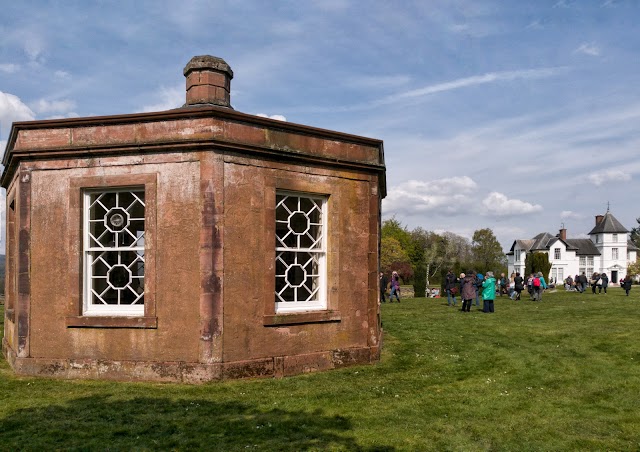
<point x="598" y="281"/>
<point x="474" y="285"/>
<point x="471" y="287"/>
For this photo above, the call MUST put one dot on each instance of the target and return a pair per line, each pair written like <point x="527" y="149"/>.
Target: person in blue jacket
<point x="478" y="284"/>
<point x="488" y="292"/>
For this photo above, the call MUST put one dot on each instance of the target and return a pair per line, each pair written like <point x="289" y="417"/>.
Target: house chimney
<point x="563" y="234"/>
<point x="208" y="81"/>
<point x="599" y="219"/>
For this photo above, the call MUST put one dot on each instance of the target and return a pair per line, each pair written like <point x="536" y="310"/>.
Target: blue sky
<point x="519" y="116"/>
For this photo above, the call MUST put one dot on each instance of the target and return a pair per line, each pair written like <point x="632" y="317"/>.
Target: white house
<point x="607" y="250"/>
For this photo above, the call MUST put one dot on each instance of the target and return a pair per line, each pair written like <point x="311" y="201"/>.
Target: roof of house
<point x="544" y="241"/>
<point x="522" y="244"/>
<point x="584" y="247"/>
<point x="608" y="224"/>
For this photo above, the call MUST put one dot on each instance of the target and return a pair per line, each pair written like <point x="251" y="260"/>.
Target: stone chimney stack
<point x="208" y="81"/>
<point x="563" y="234"/>
<point x="599" y="219"/>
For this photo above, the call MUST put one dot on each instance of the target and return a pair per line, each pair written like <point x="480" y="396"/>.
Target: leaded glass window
<point x="114" y="234"/>
<point x="300" y="252"/>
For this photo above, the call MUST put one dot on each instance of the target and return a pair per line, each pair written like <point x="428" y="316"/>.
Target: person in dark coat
<point x="626" y="284"/>
<point x="583" y="282"/>
<point x="383" y="287"/>
<point x="595" y="281"/>
<point x="478" y="284"/>
<point x="604" y="283"/>
<point x="450" y="287"/>
<point x="467" y="291"/>
<point x="519" y="284"/>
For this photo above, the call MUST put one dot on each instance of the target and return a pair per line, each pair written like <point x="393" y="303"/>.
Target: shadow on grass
<point x="99" y="422"/>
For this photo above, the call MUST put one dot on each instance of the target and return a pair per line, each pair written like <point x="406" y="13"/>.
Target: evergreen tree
<point x="537" y="262"/>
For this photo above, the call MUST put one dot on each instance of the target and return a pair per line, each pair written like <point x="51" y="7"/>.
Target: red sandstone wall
<point x="237" y="128"/>
<point x="213" y="246"/>
<point x="176" y="276"/>
<point x="249" y="260"/>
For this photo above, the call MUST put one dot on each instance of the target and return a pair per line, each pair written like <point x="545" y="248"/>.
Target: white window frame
<point x="517" y="256"/>
<point x="90" y="308"/>
<point x="556" y="253"/>
<point x="614" y="254"/>
<point x="614" y="237"/>
<point x="318" y="298"/>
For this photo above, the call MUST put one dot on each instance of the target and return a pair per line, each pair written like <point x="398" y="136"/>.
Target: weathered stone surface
<point x="210" y="177"/>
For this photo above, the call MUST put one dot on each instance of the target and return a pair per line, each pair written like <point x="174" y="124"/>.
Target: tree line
<point x="422" y="257"/>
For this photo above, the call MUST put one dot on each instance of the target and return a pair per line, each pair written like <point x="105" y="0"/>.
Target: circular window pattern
<point x="296" y="275"/>
<point x="116" y="219"/>
<point x="119" y="276"/>
<point x="298" y="223"/>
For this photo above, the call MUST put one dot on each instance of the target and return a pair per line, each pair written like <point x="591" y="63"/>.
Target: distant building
<point x="607" y="250"/>
<point x="192" y="244"/>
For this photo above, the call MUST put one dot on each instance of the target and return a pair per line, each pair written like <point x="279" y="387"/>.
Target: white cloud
<point x="12" y="109"/>
<point x="588" y="49"/>
<point x="44" y="106"/>
<point x="169" y="98"/>
<point x="535" y="25"/>
<point x="33" y="45"/>
<point x="9" y="68"/>
<point x="442" y="196"/>
<point x="64" y="75"/>
<point x="498" y="204"/>
<point x="276" y="117"/>
<point x="600" y="178"/>
<point x="489" y="77"/>
<point x="570" y="215"/>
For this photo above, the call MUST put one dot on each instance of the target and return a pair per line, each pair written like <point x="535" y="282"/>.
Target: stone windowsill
<point x="296" y="318"/>
<point x="111" y="322"/>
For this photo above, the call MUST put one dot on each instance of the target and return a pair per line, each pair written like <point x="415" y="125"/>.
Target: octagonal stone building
<point x="190" y="245"/>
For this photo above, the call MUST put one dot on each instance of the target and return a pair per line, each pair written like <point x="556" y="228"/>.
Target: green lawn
<point x="562" y="374"/>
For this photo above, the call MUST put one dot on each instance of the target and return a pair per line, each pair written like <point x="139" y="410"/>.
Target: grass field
<point x="563" y="374"/>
